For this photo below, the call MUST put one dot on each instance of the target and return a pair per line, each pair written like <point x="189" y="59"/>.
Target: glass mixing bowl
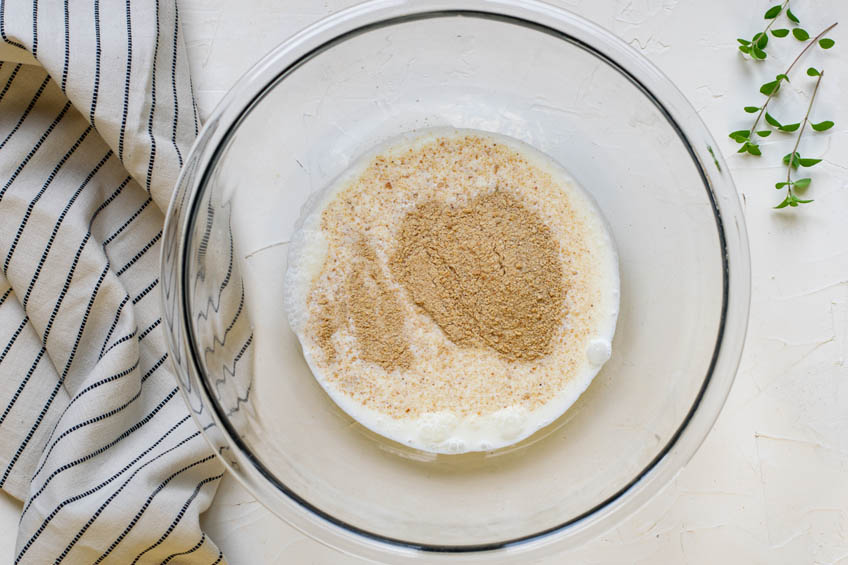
<point x="523" y="69"/>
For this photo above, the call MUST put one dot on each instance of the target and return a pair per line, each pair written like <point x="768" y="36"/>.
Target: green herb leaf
<point x="743" y="41"/>
<point x="740" y="135"/>
<point x="769" y="87"/>
<point x="773" y="12"/>
<point x="792" y="17"/>
<point x="813" y="72"/>
<point x="745" y="49"/>
<point x="772" y="121"/>
<point x="752" y="109"/>
<point x="783" y="204"/>
<point x="789" y="127"/>
<point x="826" y="43"/>
<point x="802" y="183"/>
<point x="761" y="40"/>
<point x="764" y="133"/>
<point x="795" y="159"/>
<point x="781" y="77"/>
<point x="800" y="34"/>
<point x="780" y="32"/>
<point x="821" y="126"/>
<point x="809" y="162"/>
<point x="753" y="149"/>
<point x="744" y="148"/>
<point x="799" y="201"/>
<point x="781" y="184"/>
<point x="758" y="53"/>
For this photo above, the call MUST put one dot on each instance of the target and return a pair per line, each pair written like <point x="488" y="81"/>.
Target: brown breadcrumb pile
<point x="374" y="312"/>
<point x="488" y="273"/>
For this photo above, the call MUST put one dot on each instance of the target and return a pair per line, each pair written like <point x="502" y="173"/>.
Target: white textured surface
<point x="770" y="484"/>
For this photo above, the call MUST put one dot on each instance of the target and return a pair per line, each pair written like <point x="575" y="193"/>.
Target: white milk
<point x="443" y="372"/>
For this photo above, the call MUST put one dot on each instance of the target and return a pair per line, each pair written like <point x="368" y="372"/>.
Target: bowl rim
<point x="542" y="17"/>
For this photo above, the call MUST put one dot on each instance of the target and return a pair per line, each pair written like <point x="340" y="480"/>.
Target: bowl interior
<point x="466" y="70"/>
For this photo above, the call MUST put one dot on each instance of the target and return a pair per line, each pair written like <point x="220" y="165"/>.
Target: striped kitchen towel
<point x="94" y="437"/>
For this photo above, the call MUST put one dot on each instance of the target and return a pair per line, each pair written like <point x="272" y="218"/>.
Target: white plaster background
<point x="770" y="483"/>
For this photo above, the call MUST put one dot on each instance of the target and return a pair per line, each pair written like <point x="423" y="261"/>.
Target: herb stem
<point x="786" y="72"/>
<point x="774" y="19"/>
<point x="771" y="23"/>
<point x="801" y="132"/>
<point x="810" y="44"/>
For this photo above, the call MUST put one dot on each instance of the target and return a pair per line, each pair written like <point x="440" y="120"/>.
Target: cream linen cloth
<point x="94" y="436"/>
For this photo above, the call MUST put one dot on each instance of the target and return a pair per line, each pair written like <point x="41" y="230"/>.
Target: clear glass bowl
<point x="524" y="69"/>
